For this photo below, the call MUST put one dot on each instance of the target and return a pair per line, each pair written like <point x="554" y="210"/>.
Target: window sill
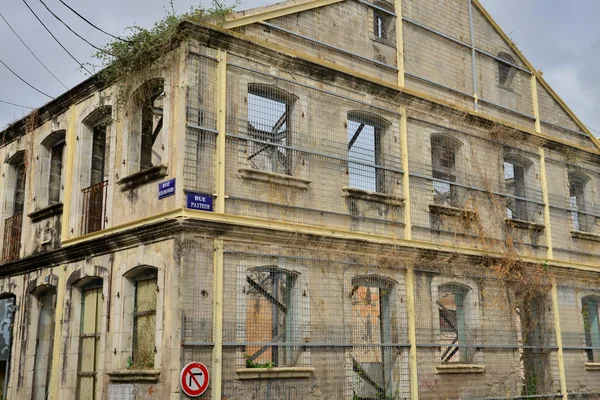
<point x="383" y="198"/>
<point x="46" y="212"/>
<point x="585" y="236"/>
<point x="521" y="224"/>
<point x="451" y="211"/>
<point x="592" y="366"/>
<point x="460" y="369"/>
<point x="275" y="373"/>
<point x="140" y="178"/>
<point x="275" y="179"/>
<point x="134" y="375"/>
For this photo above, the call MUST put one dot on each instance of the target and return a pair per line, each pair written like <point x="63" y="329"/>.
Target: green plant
<point x="251" y="364"/>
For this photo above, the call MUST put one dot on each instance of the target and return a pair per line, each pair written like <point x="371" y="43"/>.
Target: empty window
<point x="46" y="299"/>
<point x="365" y="151"/>
<point x="269" y="117"/>
<point x="381" y="25"/>
<point x="444" y="150"/>
<point x="506" y="70"/>
<point x="56" y="167"/>
<point x="453" y="310"/>
<point x="51" y="157"/>
<point x="271" y="317"/>
<point x="372" y="328"/>
<point x="589" y="310"/>
<point x="144" y="320"/>
<point x="146" y="144"/>
<point x="89" y="335"/>
<point x="515" y="171"/>
<point x="577" y="203"/>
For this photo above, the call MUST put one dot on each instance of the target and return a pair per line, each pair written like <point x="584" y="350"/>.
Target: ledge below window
<point x="592" y="366"/>
<point x="460" y="369"/>
<point x="134" y="375"/>
<point x="448" y="210"/>
<point x="47" y="212"/>
<point x="521" y="224"/>
<point x="585" y="236"/>
<point x="140" y="178"/>
<point x="273" y="178"/>
<point x="376" y="197"/>
<point x="275" y="373"/>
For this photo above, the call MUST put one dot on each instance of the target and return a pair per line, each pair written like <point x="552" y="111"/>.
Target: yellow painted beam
<point x="71" y="134"/>
<point x="545" y="197"/>
<point x="535" y="104"/>
<point x="405" y="176"/>
<point x="53" y="384"/>
<point x="412" y="334"/>
<point x="221" y="129"/>
<point x="217" y="358"/>
<point x="560" y="355"/>
<point x="275" y="12"/>
<point x="399" y="43"/>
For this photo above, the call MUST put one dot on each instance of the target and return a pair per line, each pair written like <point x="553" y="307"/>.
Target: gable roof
<point x="289" y="7"/>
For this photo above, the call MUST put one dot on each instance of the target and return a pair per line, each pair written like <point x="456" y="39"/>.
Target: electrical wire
<point x="28" y="84"/>
<point x="94" y="26"/>
<point x="69" y="28"/>
<point x="32" y="53"/>
<point x="16" y="105"/>
<point x="54" y="37"/>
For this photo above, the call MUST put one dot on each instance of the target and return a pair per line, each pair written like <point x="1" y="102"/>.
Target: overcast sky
<point x="561" y="38"/>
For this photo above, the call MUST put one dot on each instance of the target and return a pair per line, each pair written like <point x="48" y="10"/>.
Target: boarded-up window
<point x="144" y="322"/>
<point x="89" y="336"/>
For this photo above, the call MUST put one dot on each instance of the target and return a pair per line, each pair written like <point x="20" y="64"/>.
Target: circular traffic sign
<point x="194" y="379"/>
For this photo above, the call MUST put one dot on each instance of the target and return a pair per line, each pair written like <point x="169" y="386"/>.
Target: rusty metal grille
<point x="144" y="323"/>
<point x="12" y="237"/>
<point x="94" y="208"/>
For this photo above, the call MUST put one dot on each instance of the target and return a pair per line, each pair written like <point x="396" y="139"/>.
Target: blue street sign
<point x="166" y="189"/>
<point x="197" y="201"/>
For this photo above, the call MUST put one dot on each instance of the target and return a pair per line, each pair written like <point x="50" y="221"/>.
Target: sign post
<point x="194" y="379"/>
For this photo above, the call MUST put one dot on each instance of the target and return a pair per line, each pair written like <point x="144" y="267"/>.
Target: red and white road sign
<point x="194" y="379"/>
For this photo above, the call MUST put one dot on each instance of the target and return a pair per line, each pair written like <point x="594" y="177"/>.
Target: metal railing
<point x="12" y="237"/>
<point x="94" y="208"/>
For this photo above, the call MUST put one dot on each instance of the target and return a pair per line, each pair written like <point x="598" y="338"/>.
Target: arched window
<point x="506" y="70"/>
<point x="15" y="202"/>
<point x="269" y="122"/>
<point x="365" y="151"/>
<point x="515" y="180"/>
<point x="444" y="152"/>
<point x="455" y="316"/>
<point x="52" y="161"/>
<point x="580" y="221"/>
<point x="591" y="324"/>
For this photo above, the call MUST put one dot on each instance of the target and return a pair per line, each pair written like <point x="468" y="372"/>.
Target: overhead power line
<point x="28" y="84"/>
<point x="69" y="28"/>
<point x="16" y="105"/>
<point x="54" y="37"/>
<point x="32" y="53"/>
<point x="93" y="25"/>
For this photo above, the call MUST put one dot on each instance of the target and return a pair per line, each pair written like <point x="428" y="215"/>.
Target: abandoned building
<point x="323" y="199"/>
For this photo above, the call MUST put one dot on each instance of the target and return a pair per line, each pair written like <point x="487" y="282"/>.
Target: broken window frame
<point x="444" y="153"/>
<point x="151" y="124"/>
<point x="458" y="322"/>
<point x="517" y="207"/>
<point x="580" y="220"/>
<point x="386" y="331"/>
<point x="273" y="137"/>
<point x="590" y="315"/>
<point x="366" y="170"/>
<point x="381" y="25"/>
<point x="281" y="354"/>
<point x="506" y="70"/>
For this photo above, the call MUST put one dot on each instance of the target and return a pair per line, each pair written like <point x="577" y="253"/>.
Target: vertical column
<point x="535" y="104"/>
<point x="560" y="355"/>
<point x="69" y="165"/>
<point x="221" y="123"/>
<point x="55" y="371"/>
<point x="544" y="184"/>
<point x="399" y="43"/>
<point x="473" y="56"/>
<point x="217" y="359"/>
<point x="405" y="175"/>
<point x="412" y="333"/>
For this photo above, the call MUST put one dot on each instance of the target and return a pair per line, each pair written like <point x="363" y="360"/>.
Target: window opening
<point x="89" y="336"/>
<point x="56" y="167"/>
<point x="591" y="325"/>
<point x="7" y="311"/>
<point x="144" y="322"/>
<point x="269" y="121"/>
<point x="271" y="317"/>
<point x="19" y="199"/>
<point x="14" y="224"/>
<point x="514" y="179"/>
<point x="453" y="323"/>
<point x="365" y="154"/>
<point x="94" y="197"/>
<point x="506" y="71"/>
<point x="152" y="124"/>
<point x="44" y="343"/>
<point x="381" y="25"/>
<point x="443" y="160"/>
<point x="577" y="204"/>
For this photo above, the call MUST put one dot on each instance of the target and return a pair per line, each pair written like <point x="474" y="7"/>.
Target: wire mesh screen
<point x="342" y="321"/>
<point x="300" y="154"/>
<point x="201" y="123"/>
<point x="144" y="323"/>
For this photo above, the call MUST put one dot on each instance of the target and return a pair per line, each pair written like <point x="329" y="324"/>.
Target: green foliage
<point x="252" y="364"/>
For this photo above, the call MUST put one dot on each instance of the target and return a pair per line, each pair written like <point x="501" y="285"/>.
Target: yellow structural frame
<point x="69" y="166"/>
<point x="221" y="129"/>
<point x="216" y="383"/>
<point x="412" y="333"/>
<point x="545" y="199"/>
